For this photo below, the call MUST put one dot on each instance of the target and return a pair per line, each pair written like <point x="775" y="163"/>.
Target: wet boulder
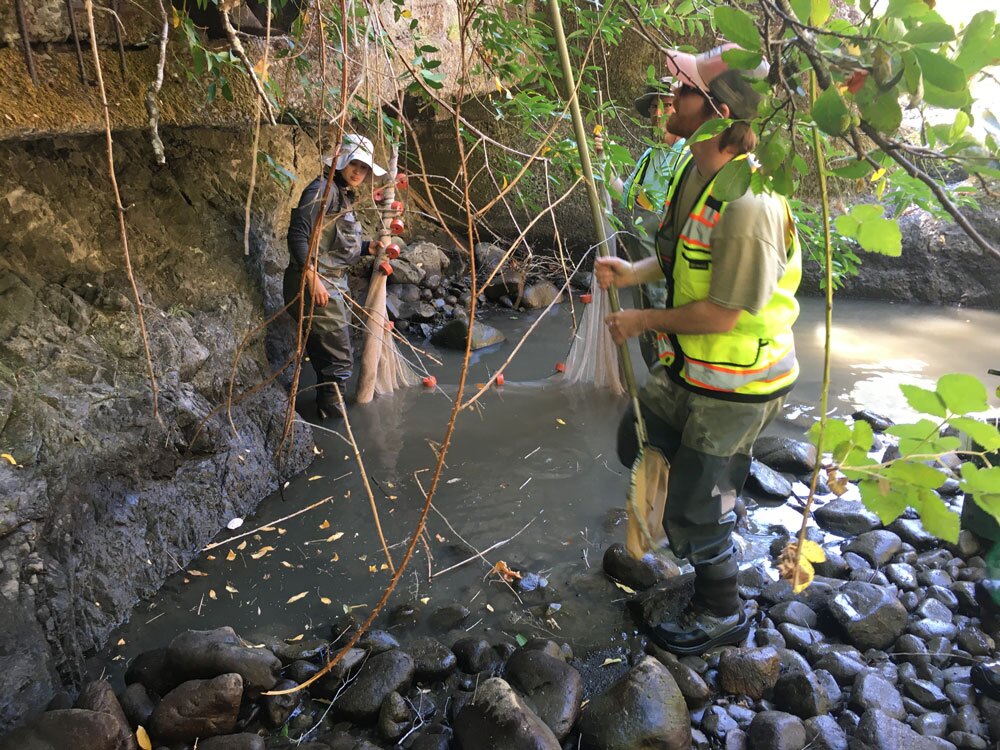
<point x="877" y="731"/>
<point x="846" y="517"/>
<point x="785" y="454"/>
<point x="877" y="422"/>
<point x="99" y="696"/>
<point x="637" y="574"/>
<point x="551" y="687"/>
<point x="204" y="654"/>
<point x="498" y="718"/>
<point x="877" y="547"/>
<point x="153" y="670"/>
<point x="390" y="671"/>
<point x="241" y="741"/>
<point x="67" y="729"/>
<point x="449" y="616"/>
<point x="870" y="616"/>
<point x="428" y="257"/>
<point x="691" y="684"/>
<point x="872" y="691"/>
<point x="504" y="284"/>
<point x="394" y="717"/>
<point x="802" y="694"/>
<point x="824" y="733"/>
<point x="277" y="708"/>
<point x="541" y="294"/>
<point x="488" y="256"/>
<point x="453" y="334"/>
<point x="776" y="730"/>
<point x="432" y="660"/>
<point x="198" y="708"/>
<point x="749" y="671"/>
<point x="911" y="531"/>
<point x="766" y="486"/>
<point x="475" y="655"/>
<point x="137" y="704"/>
<point x="644" y="708"/>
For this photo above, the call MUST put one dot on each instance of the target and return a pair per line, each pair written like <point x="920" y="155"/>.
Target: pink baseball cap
<point x="709" y="73"/>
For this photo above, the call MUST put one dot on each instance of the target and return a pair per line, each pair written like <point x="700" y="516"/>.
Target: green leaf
<point x="881" y="236"/>
<point x="854" y="170"/>
<point x="959" y="127"/>
<point x="903" y="9"/>
<point x="847" y="225"/>
<point x="803" y="9"/>
<point x="921" y="430"/>
<point x="835" y="433"/>
<point x="936" y="518"/>
<point x="709" y="130"/>
<point x="867" y="212"/>
<point x="732" y="180"/>
<point x="930" y="33"/>
<point x="819" y="12"/>
<point x="939" y="97"/>
<point x="888" y="505"/>
<point x="979" y="46"/>
<point x="830" y="113"/>
<point x="740" y="59"/>
<point x="989" y="502"/>
<point x="923" y="401"/>
<point x="915" y="473"/>
<point x="880" y="108"/>
<point x="940" y="71"/>
<point x="962" y="393"/>
<point x="772" y="154"/>
<point x="862" y="435"/>
<point x="982" y="433"/>
<point x="737" y="26"/>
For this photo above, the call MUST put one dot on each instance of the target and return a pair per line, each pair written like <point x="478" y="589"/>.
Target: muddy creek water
<point x="532" y="454"/>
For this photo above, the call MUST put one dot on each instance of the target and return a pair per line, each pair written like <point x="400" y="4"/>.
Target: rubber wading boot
<point x="327" y="404"/>
<point x="714" y="617"/>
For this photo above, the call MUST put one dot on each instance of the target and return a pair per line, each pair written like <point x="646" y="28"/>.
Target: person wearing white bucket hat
<point x="325" y="276"/>
<point x="726" y="349"/>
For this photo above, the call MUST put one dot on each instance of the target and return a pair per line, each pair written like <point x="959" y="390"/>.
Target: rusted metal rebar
<point x="22" y="26"/>
<point x="74" y="32"/>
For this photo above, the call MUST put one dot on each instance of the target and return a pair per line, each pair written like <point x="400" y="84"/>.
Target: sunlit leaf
<point x="940" y="71"/>
<point x="984" y="434"/>
<point x="732" y="181"/>
<point x="737" y="26"/>
<point x="923" y="401"/>
<point x="962" y="393"/>
<point x="830" y="112"/>
<point x="297" y="597"/>
<point x="937" y="519"/>
<point x="231" y="556"/>
<point x="812" y="551"/>
<point x="261" y="552"/>
<point x="141" y="735"/>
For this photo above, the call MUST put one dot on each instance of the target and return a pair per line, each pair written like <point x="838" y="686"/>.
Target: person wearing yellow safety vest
<point x="643" y="191"/>
<point x="727" y="355"/>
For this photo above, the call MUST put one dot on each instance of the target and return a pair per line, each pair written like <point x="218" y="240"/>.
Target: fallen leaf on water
<point x="504" y="571"/>
<point x="267" y="528"/>
<point x="440" y="538"/>
<point x="326" y="600"/>
<point x="261" y="552"/>
<point x="489" y="607"/>
<point x="286" y="564"/>
<point x="452" y="481"/>
<point x="335" y="537"/>
<point x="296" y="638"/>
<point x="231" y="556"/>
<point x="282" y="532"/>
<point x="624" y="588"/>
<point x="383" y="566"/>
<point x="297" y="597"/>
<point x="242" y="545"/>
<point x="212" y="595"/>
<point x="141" y="735"/>
<point x="196" y="573"/>
<point x="335" y="558"/>
<point x="314" y="477"/>
<point x="425" y="599"/>
<point x="121" y="641"/>
<point x="608" y="662"/>
<point x="234" y="524"/>
<point x="232" y="589"/>
<point x="9" y="458"/>
<point x="325" y="525"/>
<point x="372" y="569"/>
<point x="209" y="557"/>
<point x="560" y="421"/>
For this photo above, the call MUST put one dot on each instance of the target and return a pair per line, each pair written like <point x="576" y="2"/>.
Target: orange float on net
<point x="378" y="194"/>
<point x="499" y="379"/>
<point x="402" y="181"/>
<point x="560" y="367"/>
<point x="392" y="252"/>
<point x="586" y="298"/>
<point x="385" y="268"/>
<point x="396" y="226"/>
<point x="430" y="381"/>
<point x="396" y="206"/>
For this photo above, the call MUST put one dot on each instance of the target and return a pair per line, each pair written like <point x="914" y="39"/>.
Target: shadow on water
<point x="532" y="453"/>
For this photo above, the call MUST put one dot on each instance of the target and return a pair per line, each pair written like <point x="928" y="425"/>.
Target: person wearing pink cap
<point x="325" y="275"/>
<point x="726" y="350"/>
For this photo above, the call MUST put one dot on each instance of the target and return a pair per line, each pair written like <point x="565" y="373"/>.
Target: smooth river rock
<point x="643" y="709"/>
<point x="499" y="719"/>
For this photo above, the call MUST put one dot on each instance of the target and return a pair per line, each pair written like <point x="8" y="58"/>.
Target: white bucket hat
<point x="710" y="73"/>
<point x="356" y="148"/>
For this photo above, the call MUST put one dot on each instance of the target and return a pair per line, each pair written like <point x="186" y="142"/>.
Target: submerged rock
<point x="204" y="654"/>
<point x="499" y="719"/>
<point x="390" y="671"/>
<point x="870" y="616"/>
<point x="846" y="517"/>
<point x="454" y="333"/>
<point x="645" y="708"/>
<point x="785" y="454"/>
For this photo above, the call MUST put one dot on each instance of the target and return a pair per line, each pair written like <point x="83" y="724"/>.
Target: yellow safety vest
<point x="755" y="361"/>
